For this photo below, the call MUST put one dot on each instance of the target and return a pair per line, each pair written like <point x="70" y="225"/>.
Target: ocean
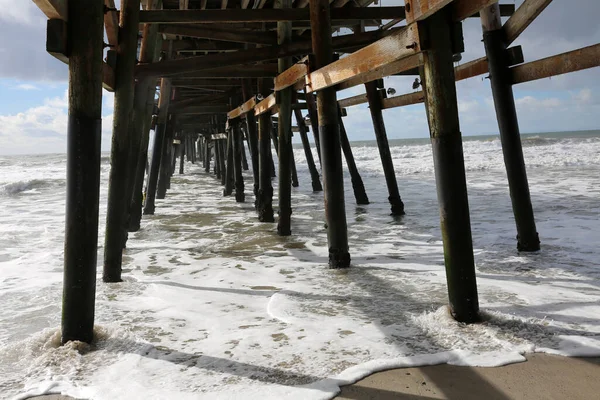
<point x="215" y="305"/>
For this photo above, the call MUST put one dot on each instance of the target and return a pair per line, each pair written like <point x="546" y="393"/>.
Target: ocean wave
<point x="14" y="188"/>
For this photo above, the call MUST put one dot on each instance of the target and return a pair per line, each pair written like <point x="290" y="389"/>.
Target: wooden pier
<point x="225" y="68"/>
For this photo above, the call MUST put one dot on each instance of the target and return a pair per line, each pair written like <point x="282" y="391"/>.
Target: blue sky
<point x="33" y="84"/>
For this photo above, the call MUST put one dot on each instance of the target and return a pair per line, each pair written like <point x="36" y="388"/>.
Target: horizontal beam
<point x="576" y="60"/>
<point x="222" y="34"/>
<point x="265" y="105"/>
<point x="53" y="9"/>
<point x="111" y="23"/>
<point x="403" y="43"/>
<point x="195" y="64"/>
<point x="265" y="15"/>
<point x="243" y="109"/>
<point x="292" y="75"/>
<point x="393" y="68"/>
<point x="208" y="109"/>
<point x="247" y="71"/>
<point x="353" y="101"/>
<point x="522" y="18"/>
<point x="418" y="10"/>
<point x="205" y="82"/>
<point x="403" y="100"/>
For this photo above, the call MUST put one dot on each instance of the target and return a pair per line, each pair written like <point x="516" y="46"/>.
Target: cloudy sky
<point x="33" y="84"/>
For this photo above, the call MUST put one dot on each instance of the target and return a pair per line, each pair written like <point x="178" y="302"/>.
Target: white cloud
<point x="24" y="12"/>
<point x="27" y="86"/>
<point x="43" y="129"/>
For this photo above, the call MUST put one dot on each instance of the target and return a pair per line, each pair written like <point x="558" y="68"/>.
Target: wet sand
<point x="540" y="377"/>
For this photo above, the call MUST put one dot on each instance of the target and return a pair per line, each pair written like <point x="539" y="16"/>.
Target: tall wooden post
<point x="122" y="151"/>
<point x="314" y="120"/>
<point x="252" y="137"/>
<point x="442" y="113"/>
<point x="222" y="159"/>
<point x="159" y="136"/>
<point x="329" y="134"/>
<point x="506" y="113"/>
<point x="165" y="164"/>
<point x="265" y="164"/>
<point x="85" y="32"/>
<point x="145" y="91"/>
<point x="240" y="197"/>
<point x="217" y="158"/>
<point x="181" y="154"/>
<point x="207" y="156"/>
<point x="284" y="128"/>
<point x="229" y="167"/>
<point x="314" y="174"/>
<point x="360" y="194"/>
<point x="243" y="151"/>
<point x="375" y="106"/>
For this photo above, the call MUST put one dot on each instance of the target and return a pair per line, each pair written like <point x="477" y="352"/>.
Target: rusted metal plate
<point x="265" y="105"/>
<point x="401" y="44"/>
<point x="291" y="76"/>
<point x="521" y="19"/>
<point x="403" y="100"/>
<point x="576" y="60"/>
<point x="395" y="67"/>
<point x="417" y="10"/>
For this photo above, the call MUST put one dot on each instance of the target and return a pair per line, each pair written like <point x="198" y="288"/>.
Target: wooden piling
<point x="314" y="120"/>
<point x="314" y="174"/>
<point x="284" y="130"/>
<point x="207" y="156"/>
<point x="122" y="149"/>
<point x="181" y="155"/>
<point x="265" y="164"/>
<point x="360" y="194"/>
<point x="85" y="32"/>
<point x="252" y="138"/>
<point x="442" y="113"/>
<point x="329" y="135"/>
<point x="217" y="158"/>
<point x="222" y="159"/>
<point x="159" y="136"/>
<point x="375" y="107"/>
<point x="243" y="151"/>
<point x="165" y="164"/>
<point x="229" y="164"/>
<point x="508" y="124"/>
<point x="240" y="197"/>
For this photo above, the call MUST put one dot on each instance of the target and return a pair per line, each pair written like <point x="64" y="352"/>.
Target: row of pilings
<point x="135" y="114"/>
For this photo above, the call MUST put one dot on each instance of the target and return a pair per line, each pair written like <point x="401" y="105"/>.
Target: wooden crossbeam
<point x="243" y="109"/>
<point x="53" y="9"/>
<point x="111" y="23"/>
<point x="392" y="68"/>
<point x="266" y="105"/>
<point x="418" y="10"/>
<point x="195" y="64"/>
<point x="207" y="109"/>
<point x="403" y="100"/>
<point x="576" y="60"/>
<point x="292" y="75"/>
<point x="466" y="8"/>
<point x="205" y="82"/>
<point x="353" y="101"/>
<point x="522" y="18"/>
<point x="264" y="15"/>
<point x="402" y="44"/>
<point x="223" y="34"/>
<point x="247" y="71"/>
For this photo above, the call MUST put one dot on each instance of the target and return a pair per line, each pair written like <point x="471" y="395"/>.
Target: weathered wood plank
<point x="403" y="100"/>
<point x="111" y="23"/>
<point x="214" y="33"/>
<point x="264" y="106"/>
<point x="576" y="60"/>
<point x="207" y="109"/>
<point x="243" y="109"/>
<point x="395" y="67"/>
<point x="264" y="15"/>
<point x="53" y="9"/>
<point x="403" y="43"/>
<point x="353" y="101"/>
<point x="292" y="75"/>
<point x="522" y="18"/>
<point x="418" y="10"/>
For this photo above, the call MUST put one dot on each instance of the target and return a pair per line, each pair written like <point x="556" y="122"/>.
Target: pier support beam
<point x="222" y="159"/>
<point x="252" y="138"/>
<point x="85" y="31"/>
<point x="206" y="156"/>
<point x="314" y="174"/>
<point x="181" y="155"/>
<point x="508" y="124"/>
<point x="240" y="197"/>
<point x="374" y="98"/>
<point x="442" y="114"/>
<point x="265" y="164"/>
<point x="329" y="134"/>
<point x="217" y="158"/>
<point x="159" y="136"/>
<point x="229" y="164"/>
<point x="284" y="127"/>
<point x="165" y="164"/>
<point x="314" y="120"/>
<point x="243" y="151"/>
<point x="122" y="149"/>
<point x="360" y="194"/>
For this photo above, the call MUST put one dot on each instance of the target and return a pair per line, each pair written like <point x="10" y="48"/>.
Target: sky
<point x="33" y="84"/>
